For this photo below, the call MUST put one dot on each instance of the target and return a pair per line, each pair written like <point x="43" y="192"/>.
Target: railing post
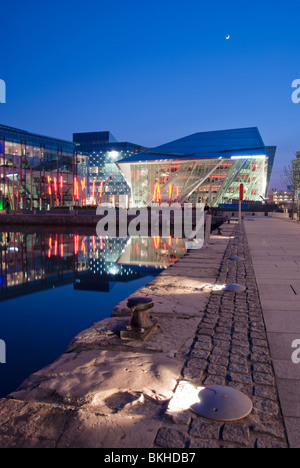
<point x="208" y="220"/>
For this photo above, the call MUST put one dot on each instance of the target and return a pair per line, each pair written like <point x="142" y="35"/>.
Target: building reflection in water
<point x="32" y="262"/>
<point x="155" y="252"/>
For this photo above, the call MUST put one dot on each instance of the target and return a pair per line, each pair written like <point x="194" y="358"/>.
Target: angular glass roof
<point x="215" y="144"/>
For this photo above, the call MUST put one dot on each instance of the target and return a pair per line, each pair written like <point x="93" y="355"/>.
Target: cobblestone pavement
<point x="230" y="348"/>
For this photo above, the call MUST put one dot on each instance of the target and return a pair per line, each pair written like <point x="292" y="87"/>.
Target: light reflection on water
<point x="54" y="284"/>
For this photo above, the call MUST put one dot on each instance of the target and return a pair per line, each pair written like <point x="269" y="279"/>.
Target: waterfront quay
<point x="108" y="393"/>
<point x="63" y="218"/>
<point x="163" y="217"/>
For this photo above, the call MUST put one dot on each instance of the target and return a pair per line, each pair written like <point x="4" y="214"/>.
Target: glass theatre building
<point x="203" y="167"/>
<point x="38" y="172"/>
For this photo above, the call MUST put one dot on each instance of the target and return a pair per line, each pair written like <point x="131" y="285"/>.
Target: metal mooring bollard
<point x="140" y="325"/>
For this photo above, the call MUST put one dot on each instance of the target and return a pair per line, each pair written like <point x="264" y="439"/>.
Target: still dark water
<point x="54" y="284"/>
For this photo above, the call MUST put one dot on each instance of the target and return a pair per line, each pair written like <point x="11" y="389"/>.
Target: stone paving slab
<point x="281" y="346"/>
<point x="281" y="304"/>
<point x="279" y="288"/>
<point x="282" y="321"/>
<point x="290" y="401"/>
<point x="286" y="274"/>
<point x="293" y="430"/>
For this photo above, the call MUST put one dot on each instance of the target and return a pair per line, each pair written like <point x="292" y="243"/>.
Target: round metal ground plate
<point x="222" y="404"/>
<point x="235" y="287"/>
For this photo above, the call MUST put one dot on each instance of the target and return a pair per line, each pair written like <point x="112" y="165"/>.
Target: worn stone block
<point x="236" y="433"/>
<point x="205" y="430"/>
<point x="170" y="438"/>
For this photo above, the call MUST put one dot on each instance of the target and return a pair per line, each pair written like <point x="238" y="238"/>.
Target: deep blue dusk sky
<point x="152" y="71"/>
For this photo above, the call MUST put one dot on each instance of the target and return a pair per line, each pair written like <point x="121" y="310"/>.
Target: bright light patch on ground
<point x="185" y="396"/>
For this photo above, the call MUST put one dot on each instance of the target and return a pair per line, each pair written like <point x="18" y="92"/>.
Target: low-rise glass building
<point x="204" y="167"/>
<point x="38" y="172"/>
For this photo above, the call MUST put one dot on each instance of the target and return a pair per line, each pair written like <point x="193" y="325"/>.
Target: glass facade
<point x="38" y="172"/>
<point x="200" y="168"/>
<point x="205" y="180"/>
<point x="106" y="182"/>
<point x="271" y="150"/>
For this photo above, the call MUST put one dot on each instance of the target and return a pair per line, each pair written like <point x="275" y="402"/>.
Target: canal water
<point x="56" y="283"/>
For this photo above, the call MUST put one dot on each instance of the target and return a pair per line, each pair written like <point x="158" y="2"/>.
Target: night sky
<point x="152" y="71"/>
